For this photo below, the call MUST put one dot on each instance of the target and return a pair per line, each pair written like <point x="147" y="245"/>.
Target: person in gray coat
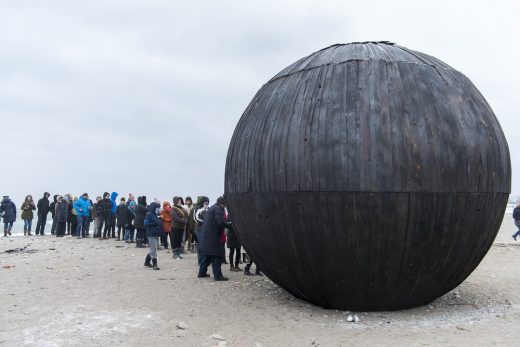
<point x="211" y="239"/>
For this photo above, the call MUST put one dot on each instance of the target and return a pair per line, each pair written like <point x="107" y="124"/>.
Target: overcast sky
<point x="143" y="96"/>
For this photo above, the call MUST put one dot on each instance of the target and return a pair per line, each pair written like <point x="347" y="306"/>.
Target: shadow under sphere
<point x="368" y="176"/>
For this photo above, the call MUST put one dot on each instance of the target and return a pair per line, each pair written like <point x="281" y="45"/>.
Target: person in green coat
<point x="27" y="214"/>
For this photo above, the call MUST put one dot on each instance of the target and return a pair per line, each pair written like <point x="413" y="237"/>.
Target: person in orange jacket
<point x="166" y="224"/>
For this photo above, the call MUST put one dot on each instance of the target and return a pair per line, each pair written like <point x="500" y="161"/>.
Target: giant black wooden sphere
<point x="368" y="176"/>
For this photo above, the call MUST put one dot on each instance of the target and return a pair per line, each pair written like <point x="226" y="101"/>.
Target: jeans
<point x="27" y="224"/>
<point x="216" y="263"/>
<point x="40" y="226"/>
<point x="517" y="223"/>
<point x="154" y="243"/>
<point x="81" y="228"/>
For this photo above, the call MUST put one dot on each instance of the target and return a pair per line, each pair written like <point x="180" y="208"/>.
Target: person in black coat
<point x="121" y="217"/>
<point x="235" y="247"/>
<point x="52" y="208"/>
<point x="104" y="211"/>
<point x="153" y="232"/>
<point x="43" y="211"/>
<point x="211" y="239"/>
<point x="61" y="216"/>
<point x="8" y="212"/>
<point x="140" y="214"/>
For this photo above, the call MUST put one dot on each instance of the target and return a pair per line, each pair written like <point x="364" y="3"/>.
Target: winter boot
<point x="147" y="261"/>
<point x="246" y="270"/>
<point x="24" y="232"/>
<point x="5" y="233"/>
<point x="155" y="267"/>
<point x="237" y="267"/>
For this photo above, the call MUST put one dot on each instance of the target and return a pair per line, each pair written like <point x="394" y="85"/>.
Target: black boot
<point x="155" y="267"/>
<point x="147" y="261"/>
<point x="246" y="270"/>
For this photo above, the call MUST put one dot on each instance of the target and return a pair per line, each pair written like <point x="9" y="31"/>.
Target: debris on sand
<point x="182" y="326"/>
<point x="217" y="337"/>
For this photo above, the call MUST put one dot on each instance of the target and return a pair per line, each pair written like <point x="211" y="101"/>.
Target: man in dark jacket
<point x="210" y="241"/>
<point x="8" y="212"/>
<point x="104" y="211"/>
<point x="43" y="211"/>
<point x="52" y="208"/>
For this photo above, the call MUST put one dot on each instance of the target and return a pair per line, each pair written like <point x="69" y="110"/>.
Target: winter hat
<point x="221" y="201"/>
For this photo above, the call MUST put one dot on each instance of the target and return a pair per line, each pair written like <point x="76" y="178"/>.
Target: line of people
<point x="188" y="227"/>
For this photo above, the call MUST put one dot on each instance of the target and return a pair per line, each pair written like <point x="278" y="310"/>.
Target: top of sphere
<point x="368" y="50"/>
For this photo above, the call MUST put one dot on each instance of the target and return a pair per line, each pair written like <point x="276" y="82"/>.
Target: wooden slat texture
<point x="368" y="176"/>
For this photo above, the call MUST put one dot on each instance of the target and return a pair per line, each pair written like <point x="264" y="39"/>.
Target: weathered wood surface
<point x="368" y="176"/>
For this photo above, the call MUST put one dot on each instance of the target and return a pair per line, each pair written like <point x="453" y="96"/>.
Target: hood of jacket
<point x="154" y="207"/>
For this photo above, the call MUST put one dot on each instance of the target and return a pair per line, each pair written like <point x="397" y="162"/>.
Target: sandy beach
<point x="70" y="292"/>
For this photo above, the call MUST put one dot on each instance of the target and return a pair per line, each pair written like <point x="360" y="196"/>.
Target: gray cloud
<point x="143" y="97"/>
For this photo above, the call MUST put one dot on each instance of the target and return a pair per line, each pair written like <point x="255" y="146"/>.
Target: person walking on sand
<point x="8" y="212"/>
<point x="166" y="220"/>
<point x="82" y="207"/>
<point x="62" y="216"/>
<point x="516" y="216"/>
<point x="179" y="217"/>
<point x="153" y="232"/>
<point x="43" y="211"/>
<point x="27" y="215"/>
<point x="210" y="239"/>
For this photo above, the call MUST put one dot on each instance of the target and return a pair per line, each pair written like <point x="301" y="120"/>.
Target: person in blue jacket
<point x="113" y="198"/>
<point x="153" y="226"/>
<point x="82" y="206"/>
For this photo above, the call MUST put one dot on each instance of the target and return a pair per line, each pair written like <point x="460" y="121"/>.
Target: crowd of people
<point x="182" y="226"/>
